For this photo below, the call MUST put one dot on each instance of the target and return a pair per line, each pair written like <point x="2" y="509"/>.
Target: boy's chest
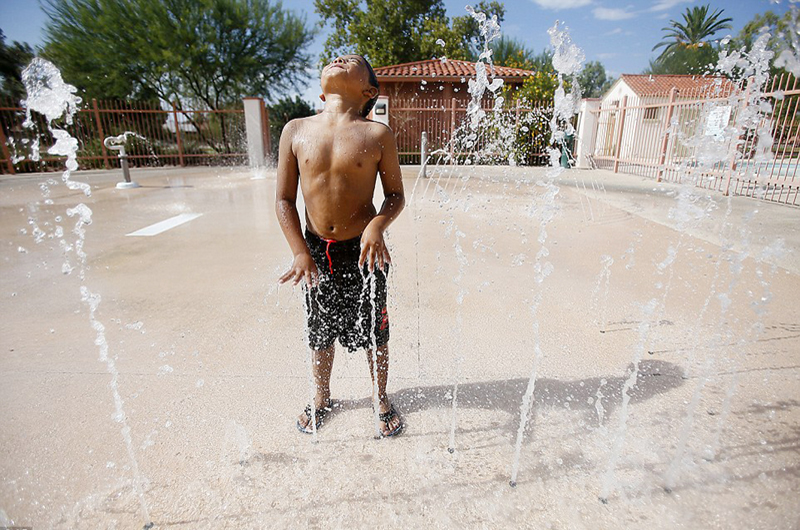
<point x="337" y="151"/>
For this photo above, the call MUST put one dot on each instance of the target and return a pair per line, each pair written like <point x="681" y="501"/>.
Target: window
<point x="651" y="113"/>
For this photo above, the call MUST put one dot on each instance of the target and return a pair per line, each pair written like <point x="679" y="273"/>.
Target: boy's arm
<point x="373" y="247"/>
<point x="303" y="267"/>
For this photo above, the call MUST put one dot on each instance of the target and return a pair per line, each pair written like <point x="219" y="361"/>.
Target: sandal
<point x="319" y="416"/>
<point x="386" y="417"/>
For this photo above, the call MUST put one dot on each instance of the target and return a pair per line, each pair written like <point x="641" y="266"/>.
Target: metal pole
<point x="619" y="135"/>
<point x="178" y="133"/>
<point x="6" y="152"/>
<point x="423" y="154"/>
<point x="117" y="143"/>
<point x="265" y="130"/>
<point x="665" y="143"/>
<point x="99" y="124"/>
<point x="452" y="129"/>
<point x="126" y="172"/>
<point x="734" y="143"/>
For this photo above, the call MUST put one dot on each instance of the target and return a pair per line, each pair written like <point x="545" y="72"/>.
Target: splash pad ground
<point x="212" y="363"/>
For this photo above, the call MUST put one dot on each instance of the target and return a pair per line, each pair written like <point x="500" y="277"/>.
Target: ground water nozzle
<point x="117" y="143"/>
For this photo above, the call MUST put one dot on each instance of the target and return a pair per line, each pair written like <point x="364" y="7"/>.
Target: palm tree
<point x="696" y="27"/>
<point x="507" y="51"/>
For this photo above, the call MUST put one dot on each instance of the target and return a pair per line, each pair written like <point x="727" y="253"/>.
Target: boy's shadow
<point x="580" y="395"/>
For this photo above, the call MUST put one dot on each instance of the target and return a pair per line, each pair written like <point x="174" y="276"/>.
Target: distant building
<point x="642" y="104"/>
<point x="643" y="89"/>
<point x="431" y="96"/>
<point x="438" y="79"/>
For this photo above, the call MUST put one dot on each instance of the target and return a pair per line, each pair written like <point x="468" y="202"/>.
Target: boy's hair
<point x="373" y="81"/>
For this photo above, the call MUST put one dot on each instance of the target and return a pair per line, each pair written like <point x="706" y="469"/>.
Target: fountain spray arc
<point x="485" y="84"/>
<point x="752" y="71"/>
<point x="489" y="31"/>
<point x="568" y="61"/>
<point x="49" y="95"/>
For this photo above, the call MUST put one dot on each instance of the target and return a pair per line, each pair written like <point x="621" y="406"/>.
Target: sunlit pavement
<point x="212" y="363"/>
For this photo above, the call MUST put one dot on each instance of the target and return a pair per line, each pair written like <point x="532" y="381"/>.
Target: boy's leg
<point x="322" y="364"/>
<point x="383" y="375"/>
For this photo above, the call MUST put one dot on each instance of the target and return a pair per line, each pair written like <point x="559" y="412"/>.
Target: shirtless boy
<point x="335" y="156"/>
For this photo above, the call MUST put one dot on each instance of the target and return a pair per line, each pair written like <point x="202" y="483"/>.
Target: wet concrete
<point x="212" y="367"/>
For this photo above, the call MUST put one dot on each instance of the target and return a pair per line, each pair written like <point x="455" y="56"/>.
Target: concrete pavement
<point x="212" y="364"/>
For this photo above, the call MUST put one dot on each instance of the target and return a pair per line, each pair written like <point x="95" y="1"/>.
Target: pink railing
<point x="658" y="137"/>
<point x="172" y="136"/>
<point x="440" y="119"/>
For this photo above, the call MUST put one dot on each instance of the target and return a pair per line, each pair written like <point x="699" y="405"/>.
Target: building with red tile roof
<point x="438" y="79"/>
<point x="643" y="86"/>
<point x="444" y="69"/>
<point x="640" y="107"/>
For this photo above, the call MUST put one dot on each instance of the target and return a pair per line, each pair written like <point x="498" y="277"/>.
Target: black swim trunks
<point x="349" y="303"/>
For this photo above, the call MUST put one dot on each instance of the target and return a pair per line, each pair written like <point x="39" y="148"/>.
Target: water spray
<point x="568" y="61"/>
<point x="49" y="95"/>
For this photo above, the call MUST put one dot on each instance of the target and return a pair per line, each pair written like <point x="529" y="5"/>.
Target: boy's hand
<point x="303" y="268"/>
<point x="373" y="249"/>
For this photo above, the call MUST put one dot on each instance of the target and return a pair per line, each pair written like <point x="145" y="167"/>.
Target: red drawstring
<point x="328" y="252"/>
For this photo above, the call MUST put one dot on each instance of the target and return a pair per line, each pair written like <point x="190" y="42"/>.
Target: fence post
<point x="452" y="129"/>
<point x="587" y="131"/>
<point x="6" y="152"/>
<point x="265" y="129"/>
<point x="619" y="135"/>
<point x="735" y="143"/>
<point x="257" y="131"/>
<point x="100" y="131"/>
<point x="516" y="115"/>
<point x="178" y="133"/>
<point x="662" y="159"/>
<point x="423" y="155"/>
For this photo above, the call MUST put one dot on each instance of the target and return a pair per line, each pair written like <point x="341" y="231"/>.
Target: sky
<point x="619" y="34"/>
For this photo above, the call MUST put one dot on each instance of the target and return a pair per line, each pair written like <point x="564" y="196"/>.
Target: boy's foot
<point x="304" y="421"/>
<point x="391" y="423"/>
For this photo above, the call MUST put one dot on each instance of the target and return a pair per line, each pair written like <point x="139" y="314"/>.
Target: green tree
<point x="203" y="53"/>
<point x="768" y="21"/>
<point x="539" y="88"/>
<point x="696" y="28"/>
<point x="507" y="51"/>
<point x="466" y="31"/>
<point x="697" y="60"/>
<point x="780" y="28"/>
<point x="13" y="59"/>
<point x="282" y="112"/>
<point x="687" y="48"/>
<point x="593" y="80"/>
<point x="400" y="31"/>
<point x="543" y="61"/>
<point x="513" y="53"/>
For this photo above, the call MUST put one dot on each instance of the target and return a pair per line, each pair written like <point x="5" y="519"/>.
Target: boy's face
<point x="347" y="73"/>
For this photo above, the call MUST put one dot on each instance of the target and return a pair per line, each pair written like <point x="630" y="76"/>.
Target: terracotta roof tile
<point x="444" y="68"/>
<point x="687" y="85"/>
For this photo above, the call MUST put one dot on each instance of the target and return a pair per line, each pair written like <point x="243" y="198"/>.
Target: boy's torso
<point x="338" y="163"/>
